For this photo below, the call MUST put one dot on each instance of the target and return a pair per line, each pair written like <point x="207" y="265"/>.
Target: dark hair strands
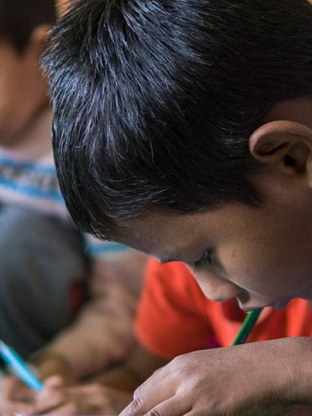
<point x="155" y="100"/>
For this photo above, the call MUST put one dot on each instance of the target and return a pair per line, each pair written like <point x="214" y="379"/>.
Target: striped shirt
<point x="33" y="184"/>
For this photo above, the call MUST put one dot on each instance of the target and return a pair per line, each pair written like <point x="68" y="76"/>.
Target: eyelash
<point x="206" y="258"/>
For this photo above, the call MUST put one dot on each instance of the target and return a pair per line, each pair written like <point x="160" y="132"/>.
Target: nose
<point x="217" y="288"/>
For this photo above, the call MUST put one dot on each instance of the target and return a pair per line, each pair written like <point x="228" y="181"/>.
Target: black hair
<point x="19" y="18"/>
<point x="155" y="100"/>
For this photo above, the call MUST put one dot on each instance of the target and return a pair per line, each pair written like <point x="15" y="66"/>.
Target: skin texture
<point x="185" y="386"/>
<point x="22" y="90"/>
<point x="261" y="256"/>
<point x="238" y="237"/>
<point x="107" y="394"/>
<point x="90" y="398"/>
<point x="23" y="102"/>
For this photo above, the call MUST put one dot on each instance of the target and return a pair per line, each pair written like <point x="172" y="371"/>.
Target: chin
<point x="249" y="306"/>
<point x="278" y="305"/>
<point x="247" y="309"/>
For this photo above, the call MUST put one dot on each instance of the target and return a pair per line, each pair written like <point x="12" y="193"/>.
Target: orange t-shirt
<point x="175" y="317"/>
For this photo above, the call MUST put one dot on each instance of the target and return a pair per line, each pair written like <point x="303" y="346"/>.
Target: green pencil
<point x="248" y="324"/>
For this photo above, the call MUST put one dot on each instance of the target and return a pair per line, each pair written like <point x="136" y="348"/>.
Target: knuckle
<point x="178" y="367"/>
<point x="138" y="393"/>
<point x="178" y="362"/>
<point x="158" y="371"/>
<point x="154" y="412"/>
<point x="137" y="405"/>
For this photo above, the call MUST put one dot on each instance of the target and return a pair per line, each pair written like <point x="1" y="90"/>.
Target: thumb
<point x="54" y="382"/>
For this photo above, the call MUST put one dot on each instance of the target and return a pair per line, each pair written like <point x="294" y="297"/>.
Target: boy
<point x="174" y="317"/>
<point x="61" y="305"/>
<point x="196" y="120"/>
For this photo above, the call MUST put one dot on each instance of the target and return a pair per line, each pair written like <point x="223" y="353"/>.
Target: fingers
<point x="155" y="394"/>
<point x="15" y="390"/>
<point x="15" y="397"/>
<point x="53" y="396"/>
<point x="174" y="406"/>
<point x="17" y="408"/>
<point x="66" y="409"/>
<point x="19" y="399"/>
<point x="54" y="382"/>
<point x="50" y="364"/>
<point x="53" y="400"/>
<point x="92" y="399"/>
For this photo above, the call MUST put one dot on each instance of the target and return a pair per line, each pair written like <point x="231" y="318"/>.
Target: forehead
<point x="172" y="235"/>
<point x="166" y="235"/>
<point x="159" y="233"/>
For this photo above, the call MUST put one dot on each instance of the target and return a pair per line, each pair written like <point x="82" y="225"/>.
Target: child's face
<point x="262" y="256"/>
<point x="22" y="91"/>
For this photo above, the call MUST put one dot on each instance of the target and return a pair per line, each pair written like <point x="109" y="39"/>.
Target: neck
<point x="35" y="141"/>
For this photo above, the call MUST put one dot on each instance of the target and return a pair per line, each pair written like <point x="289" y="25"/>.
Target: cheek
<point x="11" y="97"/>
<point x="9" y="113"/>
<point x="267" y="270"/>
<point x="16" y="104"/>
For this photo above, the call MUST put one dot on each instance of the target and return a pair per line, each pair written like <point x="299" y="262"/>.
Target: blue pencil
<point x="15" y="362"/>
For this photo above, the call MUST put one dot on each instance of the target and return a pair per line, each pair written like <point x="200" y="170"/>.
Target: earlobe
<point x="283" y="143"/>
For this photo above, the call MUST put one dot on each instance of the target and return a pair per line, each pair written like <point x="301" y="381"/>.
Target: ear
<point x="37" y="40"/>
<point x="284" y="144"/>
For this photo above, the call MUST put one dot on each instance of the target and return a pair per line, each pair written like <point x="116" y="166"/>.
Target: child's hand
<point x="51" y="364"/>
<point x="79" y="400"/>
<point x="247" y="380"/>
<point x="15" y="396"/>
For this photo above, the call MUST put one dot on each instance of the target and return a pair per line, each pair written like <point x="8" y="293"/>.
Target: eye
<point x="206" y="259"/>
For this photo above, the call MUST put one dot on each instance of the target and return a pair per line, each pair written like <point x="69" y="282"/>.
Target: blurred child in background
<point x="67" y="300"/>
